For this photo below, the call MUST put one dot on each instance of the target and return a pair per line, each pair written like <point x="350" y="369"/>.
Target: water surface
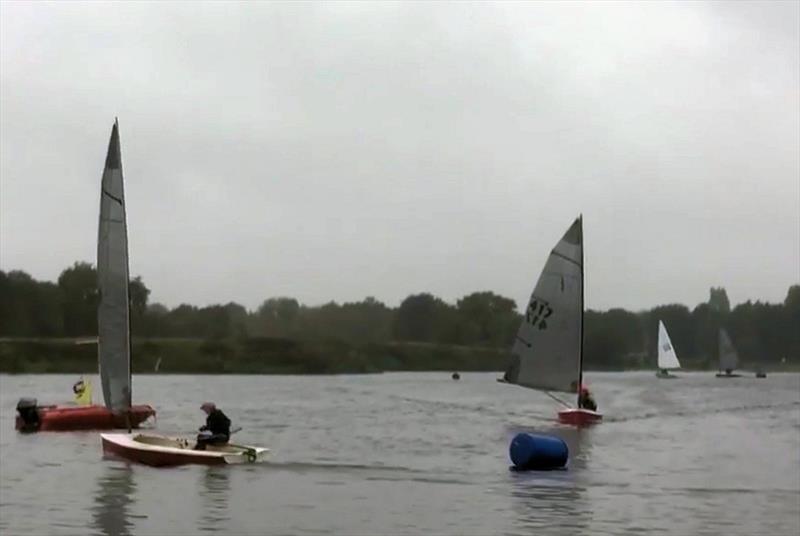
<point x="418" y="453"/>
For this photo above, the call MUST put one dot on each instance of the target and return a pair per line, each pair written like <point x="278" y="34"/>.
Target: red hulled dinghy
<point x="113" y="323"/>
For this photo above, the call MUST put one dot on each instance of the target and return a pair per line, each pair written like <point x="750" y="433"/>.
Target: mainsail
<point x="667" y="359"/>
<point x="728" y="358"/>
<point x="113" y="322"/>
<point x="547" y="352"/>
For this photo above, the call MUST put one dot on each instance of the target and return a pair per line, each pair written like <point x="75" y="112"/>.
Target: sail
<point x="113" y="341"/>
<point x="547" y="350"/>
<point x="728" y="358"/>
<point x="667" y="359"/>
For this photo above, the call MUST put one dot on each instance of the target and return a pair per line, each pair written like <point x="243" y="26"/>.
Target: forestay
<point x="667" y="359"/>
<point x="548" y="347"/>
<point x="728" y="358"/>
<point x="113" y="345"/>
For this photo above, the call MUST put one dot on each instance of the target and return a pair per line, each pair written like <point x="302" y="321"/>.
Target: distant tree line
<point x="762" y="332"/>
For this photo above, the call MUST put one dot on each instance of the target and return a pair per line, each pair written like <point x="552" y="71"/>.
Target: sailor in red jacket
<point x="586" y="400"/>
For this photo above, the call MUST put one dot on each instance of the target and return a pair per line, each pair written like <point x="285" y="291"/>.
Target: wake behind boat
<point x="548" y="350"/>
<point x="164" y="451"/>
<point x="113" y="323"/>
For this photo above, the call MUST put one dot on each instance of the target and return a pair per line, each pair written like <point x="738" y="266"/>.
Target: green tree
<point x="278" y="317"/>
<point x="718" y="300"/>
<point x="425" y="318"/>
<point x="487" y="318"/>
<point x="78" y="285"/>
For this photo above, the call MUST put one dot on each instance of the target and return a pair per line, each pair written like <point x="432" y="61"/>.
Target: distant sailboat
<point x="113" y="319"/>
<point x="728" y="357"/>
<point x="548" y="350"/>
<point x="667" y="359"/>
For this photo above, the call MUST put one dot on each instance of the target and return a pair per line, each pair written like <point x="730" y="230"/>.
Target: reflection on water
<point x="407" y="454"/>
<point x="215" y="490"/>
<point x="114" y="495"/>
<point x="554" y="501"/>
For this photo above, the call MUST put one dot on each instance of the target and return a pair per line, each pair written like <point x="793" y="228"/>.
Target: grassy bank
<point x="249" y="356"/>
<point x="275" y="356"/>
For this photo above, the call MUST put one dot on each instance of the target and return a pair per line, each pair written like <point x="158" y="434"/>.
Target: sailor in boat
<point x="586" y="400"/>
<point x="216" y="431"/>
<point x="83" y="392"/>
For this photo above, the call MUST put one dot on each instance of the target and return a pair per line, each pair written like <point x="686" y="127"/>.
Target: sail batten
<point x="667" y="358"/>
<point x="547" y="348"/>
<point x="113" y="316"/>
<point x="728" y="358"/>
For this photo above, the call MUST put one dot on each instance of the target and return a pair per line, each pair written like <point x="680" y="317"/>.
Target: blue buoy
<point x="538" y="452"/>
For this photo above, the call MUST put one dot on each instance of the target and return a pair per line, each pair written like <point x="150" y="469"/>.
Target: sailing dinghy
<point x="728" y="357"/>
<point x="667" y="359"/>
<point x="163" y="451"/>
<point x="548" y="350"/>
<point x="113" y="319"/>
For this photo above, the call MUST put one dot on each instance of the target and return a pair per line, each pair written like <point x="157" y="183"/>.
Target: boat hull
<point x="723" y="375"/>
<point x="663" y="376"/>
<point x="73" y="418"/>
<point x="162" y="451"/>
<point x="579" y="417"/>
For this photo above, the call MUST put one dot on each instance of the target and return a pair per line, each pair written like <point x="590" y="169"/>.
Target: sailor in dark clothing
<point x="586" y="400"/>
<point x="216" y="431"/>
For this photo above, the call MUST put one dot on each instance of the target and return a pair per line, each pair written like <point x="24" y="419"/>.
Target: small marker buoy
<point x="456" y="376"/>
<point x="537" y="452"/>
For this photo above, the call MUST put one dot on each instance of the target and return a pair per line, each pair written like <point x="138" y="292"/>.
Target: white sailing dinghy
<point x="728" y="357"/>
<point x="548" y="350"/>
<point x="162" y="451"/>
<point x="667" y="359"/>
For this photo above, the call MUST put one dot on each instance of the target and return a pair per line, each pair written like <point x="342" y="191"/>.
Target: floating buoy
<point x="538" y="452"/>
<point x="456" y="376"/>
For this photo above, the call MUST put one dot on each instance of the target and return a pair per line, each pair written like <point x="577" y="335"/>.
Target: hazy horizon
<point x="330" y="152"/>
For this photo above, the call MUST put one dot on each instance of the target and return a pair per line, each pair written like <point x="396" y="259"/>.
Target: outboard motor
<point x="28" y="418"/>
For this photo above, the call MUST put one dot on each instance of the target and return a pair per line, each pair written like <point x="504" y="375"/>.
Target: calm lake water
<point x="422" y="454"/>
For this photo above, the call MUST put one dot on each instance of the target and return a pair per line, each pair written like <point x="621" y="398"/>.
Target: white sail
<point x="113" y="344"/>
<point x="728" y="358"/>
<point x="547" y="352"/>
<point x="667" y="359"/>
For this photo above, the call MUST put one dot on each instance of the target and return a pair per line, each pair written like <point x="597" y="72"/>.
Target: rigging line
<point x="554" y="397"/>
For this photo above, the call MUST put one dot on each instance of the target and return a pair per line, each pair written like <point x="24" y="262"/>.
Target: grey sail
<point x="548" y="349"/>
<point x="113" y="340"/>
<point x="728" y="358"/>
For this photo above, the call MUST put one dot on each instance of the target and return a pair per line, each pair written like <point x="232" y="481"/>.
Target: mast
<point x="128" y="280"/>
<point x="580" y="358"/>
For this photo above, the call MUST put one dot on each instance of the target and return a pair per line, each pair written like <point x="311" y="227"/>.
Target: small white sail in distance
<point x="728" y="358"/>
<point x="667" y="359"/>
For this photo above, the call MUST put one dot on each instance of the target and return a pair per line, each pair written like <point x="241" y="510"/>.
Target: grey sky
<point x="335" y="151"/>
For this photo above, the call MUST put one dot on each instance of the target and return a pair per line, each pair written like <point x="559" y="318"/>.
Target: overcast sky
<point x="337" y="151"/>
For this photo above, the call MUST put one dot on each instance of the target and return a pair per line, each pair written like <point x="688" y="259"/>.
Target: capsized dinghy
<point x="113" y="323"/>
<point x="163" y="451"/>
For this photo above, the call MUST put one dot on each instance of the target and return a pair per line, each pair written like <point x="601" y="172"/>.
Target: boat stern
<point x="579" y="417"/>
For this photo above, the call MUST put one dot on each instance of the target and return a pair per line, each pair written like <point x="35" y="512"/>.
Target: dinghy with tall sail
<point x="728" y="357"/>
<point x="113" y="319"/>
<point x="548" y="350"/>
<point x="667" y="359"/>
